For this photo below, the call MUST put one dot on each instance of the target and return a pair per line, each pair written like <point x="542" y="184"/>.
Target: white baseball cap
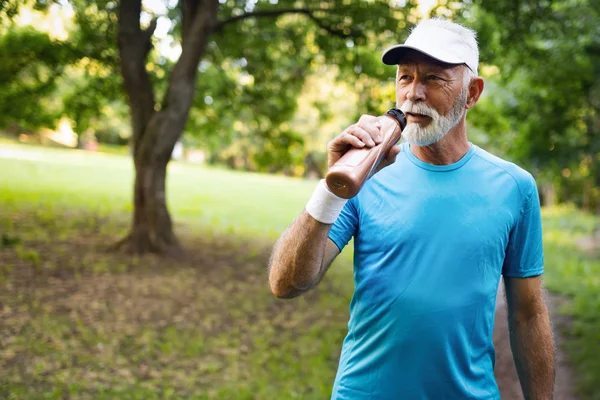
<point x="434" y="39"/>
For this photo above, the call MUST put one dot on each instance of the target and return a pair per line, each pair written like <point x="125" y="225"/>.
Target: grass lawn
<point x="79" y="322"/>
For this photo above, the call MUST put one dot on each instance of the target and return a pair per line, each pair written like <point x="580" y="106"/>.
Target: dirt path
<point x="506" y="374"/>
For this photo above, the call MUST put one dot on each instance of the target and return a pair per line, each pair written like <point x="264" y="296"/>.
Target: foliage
<point x="94" y="82"/>
<point x="252" y="89"/>
<point x="9" y="9"/>
<point x="547" y="88"/>
<point x="30" y="64"/>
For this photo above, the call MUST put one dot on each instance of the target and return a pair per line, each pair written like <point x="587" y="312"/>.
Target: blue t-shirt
<point x="430" y="245"/>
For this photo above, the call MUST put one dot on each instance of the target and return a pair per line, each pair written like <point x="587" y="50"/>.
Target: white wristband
<point x="323" y="205"/>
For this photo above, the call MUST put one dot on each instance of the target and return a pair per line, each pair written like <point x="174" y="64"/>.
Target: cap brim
<point x="395" y="54"/>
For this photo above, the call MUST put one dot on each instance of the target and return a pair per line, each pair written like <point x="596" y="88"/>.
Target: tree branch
<point x="193" y="44"/>
<point x="189" y="10"/>
<point x="129" y="18"/>
<point x="180" y="91"/>
<point x="262" y="13"/>
<point x="333" y="31"/>
<point x="148" y="35"/>
<point x="278" y="12"/>
<point x="134" y="44"/>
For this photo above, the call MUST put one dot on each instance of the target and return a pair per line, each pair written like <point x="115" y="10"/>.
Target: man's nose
<point x="416" y="91"/>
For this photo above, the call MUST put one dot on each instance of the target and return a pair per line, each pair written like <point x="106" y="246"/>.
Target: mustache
<point x="418" y="108"/>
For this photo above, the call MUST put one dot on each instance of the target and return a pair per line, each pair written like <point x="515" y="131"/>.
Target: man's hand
<point x="364" y="134"/>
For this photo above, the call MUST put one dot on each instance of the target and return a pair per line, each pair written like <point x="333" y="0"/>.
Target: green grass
<point x="78" y="322"/>
<point x="244" y="204"/>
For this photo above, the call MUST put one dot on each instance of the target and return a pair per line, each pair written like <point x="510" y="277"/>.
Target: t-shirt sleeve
<point x="524" y="253"/>
<point x="345" y="226"/>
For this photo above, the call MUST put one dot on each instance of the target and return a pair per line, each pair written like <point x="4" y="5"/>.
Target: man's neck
<point x="449" y="150"/>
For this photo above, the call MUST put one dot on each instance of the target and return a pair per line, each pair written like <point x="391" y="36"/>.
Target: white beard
<point x="439" y="126"/>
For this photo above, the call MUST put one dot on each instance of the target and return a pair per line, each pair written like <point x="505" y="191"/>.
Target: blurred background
<point x="151" y="152"/>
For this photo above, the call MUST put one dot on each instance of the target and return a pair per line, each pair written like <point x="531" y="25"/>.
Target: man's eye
<point x="403" y="77"/>
<point x="433" y="78"/>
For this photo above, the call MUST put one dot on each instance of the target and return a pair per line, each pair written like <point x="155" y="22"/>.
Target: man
<point x="433" y="233"/>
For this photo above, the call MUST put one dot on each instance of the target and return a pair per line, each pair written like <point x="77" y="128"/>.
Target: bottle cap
<point x="399" y="115"/>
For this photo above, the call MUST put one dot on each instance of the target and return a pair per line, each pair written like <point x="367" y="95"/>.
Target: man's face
<point x="432" y="96"/>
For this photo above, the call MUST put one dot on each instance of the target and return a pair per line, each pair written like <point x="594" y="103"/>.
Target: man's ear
<point x="475" y="90"/>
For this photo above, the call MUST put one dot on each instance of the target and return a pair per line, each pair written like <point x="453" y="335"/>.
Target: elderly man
<point x="433" y="233"/>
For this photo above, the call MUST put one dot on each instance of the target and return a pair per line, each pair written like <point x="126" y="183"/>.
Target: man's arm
<point x="531" y="336"/>
<point x="301" y="257"/>
<point x="304" y="252"/>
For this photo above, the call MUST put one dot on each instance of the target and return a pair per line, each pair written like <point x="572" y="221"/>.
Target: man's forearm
<point x="297" y="258"/>
<point x="533" y="350"/>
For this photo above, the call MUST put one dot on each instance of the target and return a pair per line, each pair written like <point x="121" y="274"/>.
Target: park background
<point x="151" y="152"/>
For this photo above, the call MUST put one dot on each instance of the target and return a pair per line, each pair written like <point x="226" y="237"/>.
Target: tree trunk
<point x="155" y="133"/>
<point x="548" y="194"/>
<point x="152" y="228"/>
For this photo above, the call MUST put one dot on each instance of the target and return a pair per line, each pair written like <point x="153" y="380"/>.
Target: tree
<point x="241" y="67"/>
<point x="239" y="30"/>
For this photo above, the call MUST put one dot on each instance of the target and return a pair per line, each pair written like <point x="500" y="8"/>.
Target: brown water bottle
<point x="347" y="176"/>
